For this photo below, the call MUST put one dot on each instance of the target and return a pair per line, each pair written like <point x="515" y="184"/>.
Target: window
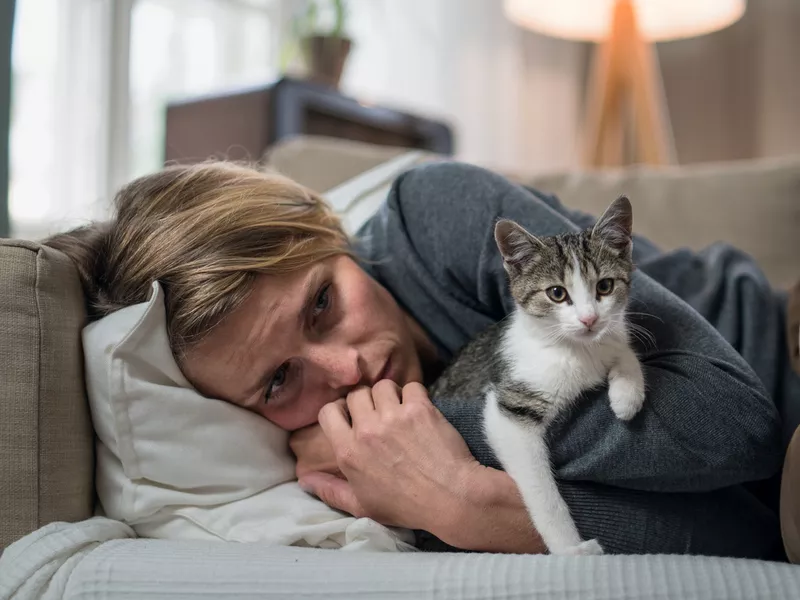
<point x="91" y="82"/>
<point x="191" y="47"/>
<point x="37" y="123"/>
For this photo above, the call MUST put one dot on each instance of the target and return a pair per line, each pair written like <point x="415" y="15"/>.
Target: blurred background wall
<point x="92" y="79"/>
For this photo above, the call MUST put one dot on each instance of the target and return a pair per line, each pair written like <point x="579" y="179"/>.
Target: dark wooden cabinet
<point x="241" y="125"/>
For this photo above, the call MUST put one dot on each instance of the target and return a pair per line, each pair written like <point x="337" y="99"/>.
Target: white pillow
<point x="172" y="463"/>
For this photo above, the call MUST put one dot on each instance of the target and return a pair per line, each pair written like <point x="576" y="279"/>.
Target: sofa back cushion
<point x="751" y="204"/>
<point x="46" y="439"/>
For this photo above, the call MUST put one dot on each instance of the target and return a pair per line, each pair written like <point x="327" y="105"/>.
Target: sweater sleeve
<point x="707" y="421"/>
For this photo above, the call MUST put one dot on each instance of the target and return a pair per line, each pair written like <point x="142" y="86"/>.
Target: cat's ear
<point x="515" y="243"/>
<point x="615" y="227"/>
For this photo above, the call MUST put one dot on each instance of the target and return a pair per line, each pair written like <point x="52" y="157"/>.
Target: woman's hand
<point x="407" y="466"/>
<point x="313" y="451"/>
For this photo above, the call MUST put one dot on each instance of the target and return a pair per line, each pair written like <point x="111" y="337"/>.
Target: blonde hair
<point x="204" y="231"/>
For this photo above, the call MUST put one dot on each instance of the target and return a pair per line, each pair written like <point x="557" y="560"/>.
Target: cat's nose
<point x="588" y="320"/>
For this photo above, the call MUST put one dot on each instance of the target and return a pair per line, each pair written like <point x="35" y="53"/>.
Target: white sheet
<point x="98" y="560"/>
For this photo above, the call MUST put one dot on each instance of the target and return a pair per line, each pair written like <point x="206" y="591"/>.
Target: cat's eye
<point x="557" y="294"/>
<point x="605" y="286"/>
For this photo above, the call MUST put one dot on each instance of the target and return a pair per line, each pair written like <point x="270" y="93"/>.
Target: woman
<point x="270" y="308"/>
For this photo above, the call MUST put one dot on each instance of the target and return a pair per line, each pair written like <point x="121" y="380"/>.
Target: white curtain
<point x="91" y="81"/>
<point x="58" y="114"/>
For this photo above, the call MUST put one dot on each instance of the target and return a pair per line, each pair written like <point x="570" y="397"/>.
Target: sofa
<point x="58" y="544"/>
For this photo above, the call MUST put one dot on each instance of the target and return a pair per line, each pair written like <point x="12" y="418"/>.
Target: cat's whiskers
<point x="646" y="337"/>
<point x="644" y="314"/>
<point x="556" y="336"/>
<point x="550" y="332"/>
<point x="638" y="332"/>
<point x="632" y="301"/>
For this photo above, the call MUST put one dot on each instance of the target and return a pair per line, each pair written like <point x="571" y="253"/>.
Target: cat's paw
<point x="626" y="397"/>
<point x="587" y="548"/>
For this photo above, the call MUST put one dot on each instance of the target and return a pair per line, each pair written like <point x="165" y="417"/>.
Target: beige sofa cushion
<point x="322" y="163"/>
<point x="754" y="204"/>
<point x="46" y="440"/>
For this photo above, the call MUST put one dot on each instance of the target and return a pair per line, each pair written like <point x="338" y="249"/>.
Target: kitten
<point x="566" y="336"/>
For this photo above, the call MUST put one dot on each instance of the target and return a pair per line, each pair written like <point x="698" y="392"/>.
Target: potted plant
<point x="324" y="50"/>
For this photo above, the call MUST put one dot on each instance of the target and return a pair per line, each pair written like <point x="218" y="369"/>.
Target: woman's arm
<point x="707" y="422"/>
<point x="497" y="517"/>
<point x="406" y="466"/>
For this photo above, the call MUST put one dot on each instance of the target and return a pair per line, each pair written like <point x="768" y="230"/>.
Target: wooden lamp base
<point x="626" y="119"/>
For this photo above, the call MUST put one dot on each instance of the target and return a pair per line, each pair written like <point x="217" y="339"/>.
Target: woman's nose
<point x="341" y="365"/>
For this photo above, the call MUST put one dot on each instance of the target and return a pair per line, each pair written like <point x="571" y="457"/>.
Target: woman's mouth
<point x="386" y="372"/>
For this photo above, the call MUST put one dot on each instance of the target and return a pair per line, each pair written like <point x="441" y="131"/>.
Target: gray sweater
<point x="671" y="481"/>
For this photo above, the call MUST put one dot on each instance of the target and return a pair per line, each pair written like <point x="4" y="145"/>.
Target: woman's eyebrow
<point x="309" y="293"/>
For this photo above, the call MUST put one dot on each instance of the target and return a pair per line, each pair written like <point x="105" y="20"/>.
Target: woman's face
<point x="303" y="340"/>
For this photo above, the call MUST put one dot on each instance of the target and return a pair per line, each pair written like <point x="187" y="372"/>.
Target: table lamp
<point x="626" y="119"/>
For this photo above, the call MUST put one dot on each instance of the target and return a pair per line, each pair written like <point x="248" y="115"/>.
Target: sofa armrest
<point x="46" y="437"/>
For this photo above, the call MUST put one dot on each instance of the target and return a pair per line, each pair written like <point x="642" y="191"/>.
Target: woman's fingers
<point x="313" y="451"/>
<point x="334" y="419"/>
<point x="405" y="464"/>
<point x="416" y="393"/>
<point x="333" y="491"/>
<point x="386" y="395"/>
<point x="360" y="404"/>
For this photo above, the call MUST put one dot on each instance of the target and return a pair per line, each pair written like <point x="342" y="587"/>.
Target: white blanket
<point x="99" y="560"/>
<point x="39" y="565"/>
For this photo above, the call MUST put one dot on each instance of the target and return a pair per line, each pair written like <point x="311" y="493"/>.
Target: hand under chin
<point x="313" y="452"/>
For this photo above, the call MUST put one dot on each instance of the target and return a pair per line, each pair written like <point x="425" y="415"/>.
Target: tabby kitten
<point x="567" y="335"/>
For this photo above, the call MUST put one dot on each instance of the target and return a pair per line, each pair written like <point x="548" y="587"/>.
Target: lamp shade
<point x="658" y="20"/>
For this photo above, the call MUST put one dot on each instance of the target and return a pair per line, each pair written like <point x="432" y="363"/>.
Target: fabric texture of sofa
<point x="46" y="439"/>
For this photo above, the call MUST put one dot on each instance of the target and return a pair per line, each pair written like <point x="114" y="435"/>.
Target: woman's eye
<point x="605" y="287"/>
<point x="278" y="379"/>
<point x="557" y="294"/>
<point x="323" y="301"/>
